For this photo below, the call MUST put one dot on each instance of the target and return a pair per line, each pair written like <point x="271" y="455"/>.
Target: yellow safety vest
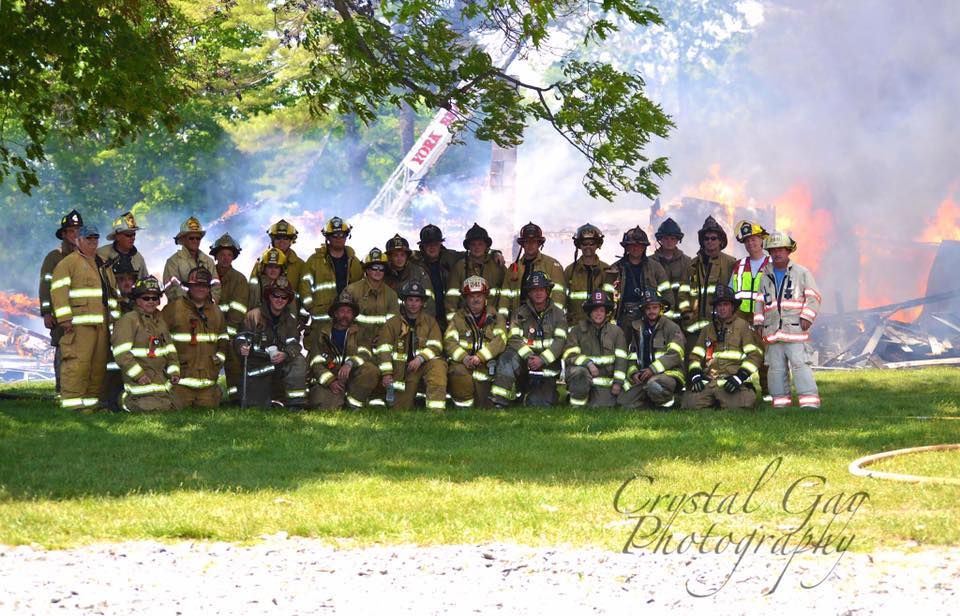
<point x="746" y="284"/>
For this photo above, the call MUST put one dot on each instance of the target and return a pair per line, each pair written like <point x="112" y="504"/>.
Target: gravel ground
<point x="284" y="575"/>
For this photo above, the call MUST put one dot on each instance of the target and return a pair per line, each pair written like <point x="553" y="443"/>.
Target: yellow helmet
<point x="190" y="225"/>
<point x="778" y="239"/>
<point x="337" y="226"/>
<point x="272" y="256"/>
<point x="375" y="257"/>
<point x="281" y="228"/>
<point x="745" y="229"/>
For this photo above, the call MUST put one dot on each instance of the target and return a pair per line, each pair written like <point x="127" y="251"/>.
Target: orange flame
<point x="945" y="225"/>
<point x="729" y="193"/>
<point x="811" y="228"/>
<point x="232" y="210"/>
<point x="18" y="304"/>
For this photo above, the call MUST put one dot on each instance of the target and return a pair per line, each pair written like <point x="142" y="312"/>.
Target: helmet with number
<point x="190" y="225"/>
<point x="746" y="229"/>
<point x="725" y="294"/>
<point x="430" y="234"/>
<point x="412" y="288"/>
<point x="146" y="286"/>
<point x="123" y="266"/>
<point x="588" y="232"/>
<point x="710" y="225"/>
<point x="337" y="227"/>
<point x="125" y="224"/>
<point x="635" y="236"/>
<point x="476" y="232"/>
<point x="531" y="231"/>
<point x="225" y="241"/>
<point x="398" y="243"/>
<point x="597" y="299"/>
<point x="71" y="220"/>
<point x="272" y="256"/>
<point x="281" y="229"/>
<point x="475" y="284"/>
<point x="345" y="299"/>
<point x="669" y="227"/>
<point x="199" y="276"/>
<point x="375" y="257"/>
<point x="779" y="239"/>
<point x="650" y="296"/>
<point x="538" y="280"/>
<point x="280" y="285"/>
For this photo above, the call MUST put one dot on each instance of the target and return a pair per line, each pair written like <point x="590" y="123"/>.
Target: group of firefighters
<point x="338" y="330"/>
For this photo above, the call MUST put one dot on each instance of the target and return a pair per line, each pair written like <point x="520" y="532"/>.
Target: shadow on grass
<point x="46" y="453"/>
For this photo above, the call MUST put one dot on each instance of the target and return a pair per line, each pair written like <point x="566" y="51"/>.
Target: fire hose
<point x="857" y="466"/>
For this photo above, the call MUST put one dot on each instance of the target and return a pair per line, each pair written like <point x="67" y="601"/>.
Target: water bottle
<point x="391" y="395"/>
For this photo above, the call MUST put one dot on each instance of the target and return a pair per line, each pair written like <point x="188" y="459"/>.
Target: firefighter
<point x="655" y="356"/>
<point x="271" y="266"/>
<point x="791" y="303"/>
<point x="188" y="258"/>
<point x="410" y="352"/>
<point x="275" y="363"/>
<point x="283" y="236"/>
<point x="401" y="270"/>
<point x="478" y="260"/>
<point x="199" y="332"/>
<point x="123" y="235"/>
<point x="531" y="362"/>
<point x="79" y="296"/>
<point x="67" y="234"/>
<point x="340" y="370"/>
<point x="531" y="260"/>
<point x="438" y="261"/>
<point x="587" y="274"/>
<point x="596" y="355"/>
<point x="674" y="262"/>
<point x="328" y="271"/>
<point x="145" y="353"/>
<point x="475" y="338"/>
<point x="631" y="274"/>
<point x="710" y="270"/>
<point x="376" y="300"/>
<point x="121" y="278"/>
<point x="234" y="295"/>
<point x="724" y="358"/>
<point x="746" y="278"/>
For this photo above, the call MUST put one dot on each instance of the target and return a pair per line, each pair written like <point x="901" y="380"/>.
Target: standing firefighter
<point x="596" y="355"/>
<point x="271" y="265"/>
<point x="438" y="261"/>
<point x="67" y="234"/>
<point x="377" y="301"/>
<point x="200" y="334"/>
<point x="144" y="350"/>
<point x="270" y="338"/>
<point x="123" y="235"/>
<point x="234" y="295"/>
<point x="587" y="274"/>
<point x="328" y="271"/>
<point x="531" y="362"/>
<point x="187" y="259"/>
<point x="79" y="296"/>
<point x="656" y="356"/>
<point x="674" y="262"/>
<point x="747" y="277"/>
<point x="633" y="273"/>
<point x="724" y="358"/>
<point x="410" y="352"/>
<point x="475" y="338"/>
<point x="478" y="260"/>
<point x="341" y="370"/>
<point x="401" y="270"/>
<point x="283" y="236"/>
<point x="791" y="302"/>
<point x="531" y="260"/>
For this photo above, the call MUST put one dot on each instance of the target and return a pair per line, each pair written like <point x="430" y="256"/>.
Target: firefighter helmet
<point x="412" y="288"/>
<point x="650" y="296"/>
<point x="476" y="232"/>
<point x="779" y="239"/>
<point x="337" y="227"/>
<point x="538" y="280"/>
<point x="272" y="256"/>
<point x="125" y="224"/>
<point x="375" y="257"/>
<point x="597" y="299"/>
<point x="635" y="236"/>
<point x="588" y="232"/>
<point x="73" y="219"/>
<point x="398" y="243"/>
<point x="199" y="276"/>
<point x="710" y="225"/>
<point x="190" y="225"/>
<point x="531" y="231"/>
<point x="225" y="241"/>
<point x="475" y="284"/>
<point x="146" y="286"/>
<point x="745" y="229"/>
<point x="123" y="266"/>
<point x="669" y="227"/>
<point x="280" y="285"/>
<point x="724" y="294"/>
<point x="430" y="234"/>
<point x="282" y="228"/>
<point x="345" y="299"/>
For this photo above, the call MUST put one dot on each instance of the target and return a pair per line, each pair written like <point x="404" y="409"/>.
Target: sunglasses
<point x="278" y="296"/>
<point x="377" y="268"/>
<point x="192" y="238"/>
<point x="588" y="243"/>
<point x="150" y="298"/>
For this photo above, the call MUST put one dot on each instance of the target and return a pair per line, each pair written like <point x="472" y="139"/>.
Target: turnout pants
<point x="658" y="391"/>
<point x="112" y="385"/>
<point x="469" y="388"/>
<point x="84" y="365"/>
<point x="207" y="396"/>
<point x="290" y="377"/>
<point x="781" y="357"/>
<point x="153" y="402"/>
<point x="233" y="370"/>
<point x="362" y="382"/>
<point x="713" y="394"/>
<point x="434" y="374"/>
<point x="583" y="388"/>
<point x="512" y="373"/>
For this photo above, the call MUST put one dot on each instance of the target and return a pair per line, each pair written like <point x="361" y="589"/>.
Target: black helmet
<point x="123" y="266"/>
<point x="711" y="225"/>
<point x="531" y="231"/>
<point x="538" y="280"/>
<point x="635" y="236"/>
<point x="724" y="294"/>
<point x="650" y="296"/>
<point x="397" y="243"/>
<point x="73" y="219"/>
<point x="430" y="234"/>
<point x="345" y="299"/>
<point x="146" y="285"/>
<point x="412" y="288"/>
<point x="596" y="300"/>
<point x="587" y="232"/>
<point x="669" y="227"/>
<point x="476" y="232"/>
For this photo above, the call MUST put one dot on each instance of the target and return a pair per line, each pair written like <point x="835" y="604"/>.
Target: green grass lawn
<point x="528" y="476"/>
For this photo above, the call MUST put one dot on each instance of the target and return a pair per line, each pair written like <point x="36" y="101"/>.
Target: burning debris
<point x="25" y="355"/>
